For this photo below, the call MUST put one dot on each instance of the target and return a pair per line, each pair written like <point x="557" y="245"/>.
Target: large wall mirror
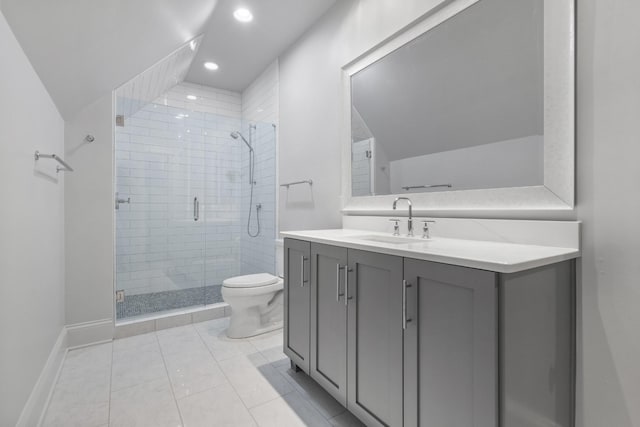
<point x="470" y="108"/>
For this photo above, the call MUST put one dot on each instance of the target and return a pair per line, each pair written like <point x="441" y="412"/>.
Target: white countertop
<point x="485" y="255"/>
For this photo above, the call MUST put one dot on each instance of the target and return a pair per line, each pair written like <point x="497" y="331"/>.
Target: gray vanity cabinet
<point x="537" y="343"/>
<point x="450" y="346"/>
<point x="329" y="319"/>
<point x="374" y="338"/>
<point x="356" y="331"/>
<point x="413" y="343"/>
<point x="297" y="254"/>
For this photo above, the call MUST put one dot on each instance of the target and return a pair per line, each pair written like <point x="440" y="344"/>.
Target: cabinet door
<point x="329" y="319"/>
<point x="374" y="338"/>
<point x="296" y="301"/>
<point x="450" y="346"/>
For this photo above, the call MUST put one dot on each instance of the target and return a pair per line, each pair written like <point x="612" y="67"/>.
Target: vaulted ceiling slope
<point x="83" y="49"/>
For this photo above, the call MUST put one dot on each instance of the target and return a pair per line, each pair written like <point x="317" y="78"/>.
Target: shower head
<point x="236" y="135"/>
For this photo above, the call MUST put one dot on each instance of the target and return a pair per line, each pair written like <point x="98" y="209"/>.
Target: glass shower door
<point x="160" y="240"/>
<point x="186" y="236"/>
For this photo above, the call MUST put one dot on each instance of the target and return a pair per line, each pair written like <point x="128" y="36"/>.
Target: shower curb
<point x="148" y="324"/>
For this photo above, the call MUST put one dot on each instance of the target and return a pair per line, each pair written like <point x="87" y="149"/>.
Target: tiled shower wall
<point x="360" y="168"/>
<point x="168" y="153"/>
<point x="260" y="108"/>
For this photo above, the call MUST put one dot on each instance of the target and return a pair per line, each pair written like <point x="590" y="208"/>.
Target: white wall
<point x="89" y="214"/>
<point x="608" y="177"/>
<point x="609" y="204"/>
<point x="31" y="228"/>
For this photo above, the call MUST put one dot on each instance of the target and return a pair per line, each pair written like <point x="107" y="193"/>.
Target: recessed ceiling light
<point x="212" y="66"/>
<point x="192" y="97"/>
<point x="243" y="15"/>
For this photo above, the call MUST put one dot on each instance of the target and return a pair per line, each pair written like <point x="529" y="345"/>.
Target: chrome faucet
<point x="410" y="222"/>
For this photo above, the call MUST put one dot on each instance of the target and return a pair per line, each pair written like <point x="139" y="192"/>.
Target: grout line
<point x="226" y="377"/>
<point x="173" y="393"/>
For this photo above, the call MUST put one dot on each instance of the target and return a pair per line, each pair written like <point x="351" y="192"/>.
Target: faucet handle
<point x="426" y="233"/>
<point x="396" y="226"/>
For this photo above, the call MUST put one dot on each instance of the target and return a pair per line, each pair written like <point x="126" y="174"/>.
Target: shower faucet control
<point x="119" y="201"/>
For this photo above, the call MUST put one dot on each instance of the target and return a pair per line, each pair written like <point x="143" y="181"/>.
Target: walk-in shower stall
<point x="195" y="201"/>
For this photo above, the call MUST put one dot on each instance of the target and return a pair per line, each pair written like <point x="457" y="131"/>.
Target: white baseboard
<point x="83" y="334"/>
<point x="71" y="336"/>
<point x="39" y="399"/>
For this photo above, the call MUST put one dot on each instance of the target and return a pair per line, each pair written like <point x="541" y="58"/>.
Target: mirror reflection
<point x="458" y="108"/>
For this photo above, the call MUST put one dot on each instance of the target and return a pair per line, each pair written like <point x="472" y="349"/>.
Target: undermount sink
<point x="394" y="240"/>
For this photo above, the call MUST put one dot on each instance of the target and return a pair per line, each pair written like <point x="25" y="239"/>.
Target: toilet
<point x="256" y="301"/>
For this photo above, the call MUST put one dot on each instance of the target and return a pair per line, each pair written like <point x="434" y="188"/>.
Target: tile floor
<point x="189" y="376"/>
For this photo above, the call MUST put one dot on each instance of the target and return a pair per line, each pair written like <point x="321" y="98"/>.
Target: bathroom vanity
<point x="475" y="327"/>
<point x="438" y="332"/>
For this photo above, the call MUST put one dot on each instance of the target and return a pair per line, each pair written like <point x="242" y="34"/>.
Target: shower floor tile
<point x="137" y="305"/>
<point x="195" y="388"/>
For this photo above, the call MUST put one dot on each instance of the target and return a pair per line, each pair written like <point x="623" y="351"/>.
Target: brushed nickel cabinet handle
<point x="405" y="285"/>
<point x="302" y="260"/>
<point x="346" y="284"/>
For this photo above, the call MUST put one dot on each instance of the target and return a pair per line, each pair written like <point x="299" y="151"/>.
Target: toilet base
<point x="239" y="334"/>
<point x="248" y="322"/>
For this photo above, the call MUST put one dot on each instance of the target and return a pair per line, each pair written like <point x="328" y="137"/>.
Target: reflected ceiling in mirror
<point x="460" y="107"/>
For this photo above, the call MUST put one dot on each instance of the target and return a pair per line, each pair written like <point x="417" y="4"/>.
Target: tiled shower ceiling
<point x="156" y="80"/>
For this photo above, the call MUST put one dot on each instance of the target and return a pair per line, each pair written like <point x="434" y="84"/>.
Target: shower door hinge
<point x="119" y="296"/>
<point x="120" y="120"/>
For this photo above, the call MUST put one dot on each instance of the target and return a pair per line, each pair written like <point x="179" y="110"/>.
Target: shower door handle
<point x="196" y="209"/>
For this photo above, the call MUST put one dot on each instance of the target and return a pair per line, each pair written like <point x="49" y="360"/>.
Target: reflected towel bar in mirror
<point x="306" y="181"/>
<point x="411" y="187"/>
<point x="65" y="168"/>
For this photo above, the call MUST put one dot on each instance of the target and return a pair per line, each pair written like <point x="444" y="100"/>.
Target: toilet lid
<point x="250" y="281"/>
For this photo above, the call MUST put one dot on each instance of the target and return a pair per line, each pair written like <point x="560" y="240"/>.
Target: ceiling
<point x="244" y="50"/>
<point x="83" y="49"/>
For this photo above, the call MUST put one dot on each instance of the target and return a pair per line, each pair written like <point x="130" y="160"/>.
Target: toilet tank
<point x="279" y="257"/>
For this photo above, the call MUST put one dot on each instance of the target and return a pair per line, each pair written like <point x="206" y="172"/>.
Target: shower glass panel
<point x="160" y="245"/>
<point x="184" y="229"/>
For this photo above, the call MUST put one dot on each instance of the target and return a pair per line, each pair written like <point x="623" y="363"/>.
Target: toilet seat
<point x="250" y="281"/>
<point x="228" y="291"/>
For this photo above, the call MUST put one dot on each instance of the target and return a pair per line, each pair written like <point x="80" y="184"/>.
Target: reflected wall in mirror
<point x="460" y="107"/>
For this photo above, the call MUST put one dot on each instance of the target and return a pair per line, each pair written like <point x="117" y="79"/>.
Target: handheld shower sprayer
<point x="252" y="183"/>
<point x="236" y="135"/>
